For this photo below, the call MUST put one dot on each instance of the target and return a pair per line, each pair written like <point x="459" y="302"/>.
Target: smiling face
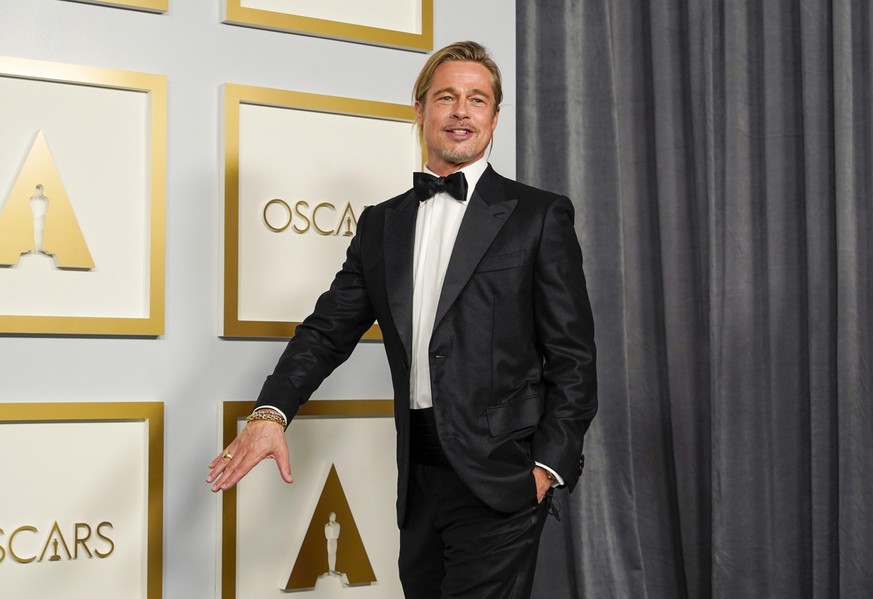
<point x="457" y="116"/>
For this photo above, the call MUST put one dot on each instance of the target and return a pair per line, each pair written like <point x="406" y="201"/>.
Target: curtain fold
<point x="720" y="157"/>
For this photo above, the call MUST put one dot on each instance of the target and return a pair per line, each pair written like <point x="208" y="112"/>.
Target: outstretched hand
<point x="257" y="441"/>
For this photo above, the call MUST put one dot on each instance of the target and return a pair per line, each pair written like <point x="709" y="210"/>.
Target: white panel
<point x="68" y="473"/>
<point x="314" y="157"/>
<point x="99" y="142"/>
<point x="398" y="15"/>
<point x="272" y="517"/>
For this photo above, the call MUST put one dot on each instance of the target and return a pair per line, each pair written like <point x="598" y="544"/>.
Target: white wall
<point x="190" y="369"/>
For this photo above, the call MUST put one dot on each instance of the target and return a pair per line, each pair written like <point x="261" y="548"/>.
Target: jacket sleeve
<point x="326" y="338"/>
<point x="565" y="334"/>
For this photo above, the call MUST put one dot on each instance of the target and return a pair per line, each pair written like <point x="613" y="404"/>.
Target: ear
<point x="419" y="112"/>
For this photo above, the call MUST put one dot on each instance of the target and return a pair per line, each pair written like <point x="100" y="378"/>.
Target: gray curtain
<point x="719" y="154"/>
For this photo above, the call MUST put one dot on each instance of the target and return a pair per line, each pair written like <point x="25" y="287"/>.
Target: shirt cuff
<point x="555" y="483"/>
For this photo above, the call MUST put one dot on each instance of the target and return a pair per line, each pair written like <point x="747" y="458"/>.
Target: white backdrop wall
<point x="189" y="368"/>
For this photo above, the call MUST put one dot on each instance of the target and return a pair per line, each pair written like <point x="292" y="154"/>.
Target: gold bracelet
<point x="267" y="415"/>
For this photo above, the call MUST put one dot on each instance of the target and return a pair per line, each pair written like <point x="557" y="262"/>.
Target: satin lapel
<point x="398" y="249"/>
<point x="481" y="224"/>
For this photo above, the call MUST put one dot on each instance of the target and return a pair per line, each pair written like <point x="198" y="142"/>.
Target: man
<point x="487" y="326"/>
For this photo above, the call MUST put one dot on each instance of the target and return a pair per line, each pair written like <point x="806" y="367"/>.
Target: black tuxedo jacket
<point x="512" y="357"/>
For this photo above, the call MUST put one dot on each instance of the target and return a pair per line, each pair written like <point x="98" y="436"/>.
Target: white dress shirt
<point x="436" y="228"/>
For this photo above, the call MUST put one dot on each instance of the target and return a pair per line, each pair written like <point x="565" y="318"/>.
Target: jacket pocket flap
<point x="501" y="262"/>
<point x="514" y="416"/>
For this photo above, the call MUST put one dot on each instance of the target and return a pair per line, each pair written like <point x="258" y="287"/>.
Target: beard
<point x="455" y="154"/>
<point x="465" y="152"/>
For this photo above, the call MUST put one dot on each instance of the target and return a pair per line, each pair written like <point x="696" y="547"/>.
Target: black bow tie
<point x="427" y="186"/>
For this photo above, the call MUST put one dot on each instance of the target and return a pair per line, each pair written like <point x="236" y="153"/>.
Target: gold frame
<point x="236" y="14"/>
<point x="157" y="6"/>
<point x="234" y="412"/>
<point x="156" y="88"/>
<point x="150" y="412"/>
<point x="234" y="96"/>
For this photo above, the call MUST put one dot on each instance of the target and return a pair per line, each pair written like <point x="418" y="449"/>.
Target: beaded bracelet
<point x="267" y="415"/>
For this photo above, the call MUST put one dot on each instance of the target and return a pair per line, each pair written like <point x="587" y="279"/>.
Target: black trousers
<point x="453" y="546"/>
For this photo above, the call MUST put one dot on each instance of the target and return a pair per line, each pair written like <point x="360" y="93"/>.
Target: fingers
<point x="219" y="466"/>
<point x="220" y="458"/>
<point x="257" y="441"/>
<point x="283" y="463"/>
<point x="234" y="470"/>
<point x="543" y="482"/>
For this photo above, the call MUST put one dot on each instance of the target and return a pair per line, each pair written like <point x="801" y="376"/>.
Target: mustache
<point x="461" y="125"/>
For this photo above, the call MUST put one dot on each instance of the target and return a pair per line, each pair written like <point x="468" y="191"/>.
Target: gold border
<point x="234" y="96"/>
<point x="234" y="411"/>
<point x="236" y="14"/>
<point x="156" y="88"/>
<point x="157" y="6"/>
<point x="152" y="413"/>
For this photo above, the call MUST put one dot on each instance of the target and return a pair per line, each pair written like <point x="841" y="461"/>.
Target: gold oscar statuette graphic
<point x="37" y="217"/>
<point x="332" y="546"/>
